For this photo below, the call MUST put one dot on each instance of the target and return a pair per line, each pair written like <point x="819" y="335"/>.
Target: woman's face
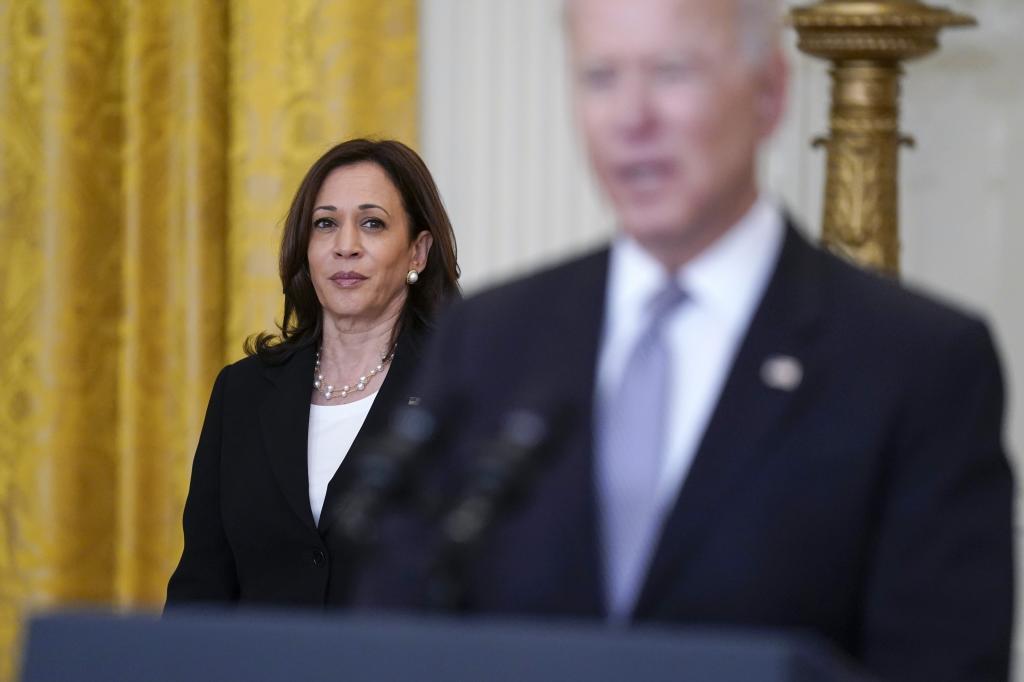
<point x="360" y="248"/>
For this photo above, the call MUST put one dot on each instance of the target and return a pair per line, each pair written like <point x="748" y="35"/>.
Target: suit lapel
<point x="581" y="318"/>
<point x="391" y="395"/>
<point x="284" y="420"/>
<point x="748" y="413"/>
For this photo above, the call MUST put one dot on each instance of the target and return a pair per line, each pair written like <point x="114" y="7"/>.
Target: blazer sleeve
<point x="939" y="597"/>
<point x="206" y="571"/>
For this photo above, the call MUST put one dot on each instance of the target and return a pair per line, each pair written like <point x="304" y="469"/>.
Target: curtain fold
<point x="148" y="152"/>
<point x="172" y="280"/>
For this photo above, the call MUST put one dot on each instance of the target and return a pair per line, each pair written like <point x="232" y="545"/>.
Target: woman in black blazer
<point x="367" y="257"/>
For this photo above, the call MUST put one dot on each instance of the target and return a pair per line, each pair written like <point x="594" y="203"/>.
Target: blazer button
<point x="319" y="558"/>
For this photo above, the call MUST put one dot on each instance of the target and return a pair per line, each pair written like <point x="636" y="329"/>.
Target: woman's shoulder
<point x="250" y="365"/>
<point x="257" y="369"/>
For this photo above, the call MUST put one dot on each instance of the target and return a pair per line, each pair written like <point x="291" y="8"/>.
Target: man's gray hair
<point x="760" y="27"/>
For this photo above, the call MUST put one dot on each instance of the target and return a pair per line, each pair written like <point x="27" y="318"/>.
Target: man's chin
<point x="654" y="233"/>
<point x="671" y="243"/>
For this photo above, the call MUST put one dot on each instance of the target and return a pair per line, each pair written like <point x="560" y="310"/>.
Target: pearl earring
<point x="412" y="277"/>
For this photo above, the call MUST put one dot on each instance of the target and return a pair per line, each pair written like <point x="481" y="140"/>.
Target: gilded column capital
<point x="866" y="42"/>
<point x="893" y="30"/>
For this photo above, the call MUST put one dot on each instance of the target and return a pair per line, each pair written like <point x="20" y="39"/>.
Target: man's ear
<point x="773" y="90"/>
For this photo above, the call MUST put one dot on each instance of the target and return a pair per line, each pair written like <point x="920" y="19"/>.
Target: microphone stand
<point x="500" y="477"/>
<point x="385" y="471"/>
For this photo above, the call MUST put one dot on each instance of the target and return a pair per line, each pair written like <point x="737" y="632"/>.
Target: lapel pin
<point x="413" y="401"/>
<point x="782" y="372"/>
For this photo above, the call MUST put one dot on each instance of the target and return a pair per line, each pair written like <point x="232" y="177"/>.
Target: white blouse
<point x="332" y="429"/>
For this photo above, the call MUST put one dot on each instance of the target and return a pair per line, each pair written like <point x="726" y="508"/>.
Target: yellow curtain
<point x="148" y="152"/>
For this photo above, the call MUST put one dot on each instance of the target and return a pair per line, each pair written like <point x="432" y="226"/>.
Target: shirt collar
<point x="727" y="279"/>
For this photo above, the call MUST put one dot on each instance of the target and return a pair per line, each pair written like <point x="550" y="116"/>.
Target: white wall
<point x="497" y="135"/>
<point x="496" y="131"/>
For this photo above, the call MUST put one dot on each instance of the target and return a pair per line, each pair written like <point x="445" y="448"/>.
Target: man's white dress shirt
<point x="724" y="285"/>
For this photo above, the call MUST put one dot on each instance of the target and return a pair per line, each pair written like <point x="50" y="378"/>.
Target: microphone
<point x="500" y="477"/>
<point x="385" y="470"/>
<point x="504" y="470"/>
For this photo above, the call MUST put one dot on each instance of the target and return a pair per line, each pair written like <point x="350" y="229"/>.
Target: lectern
<point x="262" y="647"/>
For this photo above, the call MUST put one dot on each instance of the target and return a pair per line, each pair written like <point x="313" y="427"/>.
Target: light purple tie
<point x="631" y="443"/>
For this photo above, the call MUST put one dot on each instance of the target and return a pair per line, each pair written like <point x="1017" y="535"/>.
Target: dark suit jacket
<point x="249" y="531"/>
<point x="870" y="505"/>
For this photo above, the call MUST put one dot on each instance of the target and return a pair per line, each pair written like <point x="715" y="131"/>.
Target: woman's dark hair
<point x="302" y="323"/>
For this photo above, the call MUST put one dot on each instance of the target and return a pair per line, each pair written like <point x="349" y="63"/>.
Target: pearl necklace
<point x="329" y="392"/>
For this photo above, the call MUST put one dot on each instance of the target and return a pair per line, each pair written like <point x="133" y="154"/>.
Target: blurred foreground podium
<point x="262" y="647"/>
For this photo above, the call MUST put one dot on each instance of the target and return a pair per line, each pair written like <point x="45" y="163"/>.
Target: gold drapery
<point x="148" y="152"/>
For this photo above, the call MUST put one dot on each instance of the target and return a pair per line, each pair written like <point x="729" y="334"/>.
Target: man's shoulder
<point x="545" y="289"/>
<point x="863" y="301"/>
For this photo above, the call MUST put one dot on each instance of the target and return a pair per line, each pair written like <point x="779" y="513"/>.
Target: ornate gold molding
<point x="867" y="41"/>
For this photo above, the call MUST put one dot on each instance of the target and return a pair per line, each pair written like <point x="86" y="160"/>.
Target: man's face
<point x="673" y="113"/>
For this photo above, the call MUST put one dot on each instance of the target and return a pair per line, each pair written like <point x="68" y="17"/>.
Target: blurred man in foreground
<point x="750" y="432"/>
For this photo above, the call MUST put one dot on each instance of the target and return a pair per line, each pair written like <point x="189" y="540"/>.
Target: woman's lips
<point x="347" y="279"/>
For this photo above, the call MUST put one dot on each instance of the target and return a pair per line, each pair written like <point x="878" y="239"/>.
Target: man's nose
<point x="635" y="113"/>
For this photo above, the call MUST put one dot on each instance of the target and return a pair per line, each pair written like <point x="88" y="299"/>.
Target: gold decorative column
<point x="867" y="41"/>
